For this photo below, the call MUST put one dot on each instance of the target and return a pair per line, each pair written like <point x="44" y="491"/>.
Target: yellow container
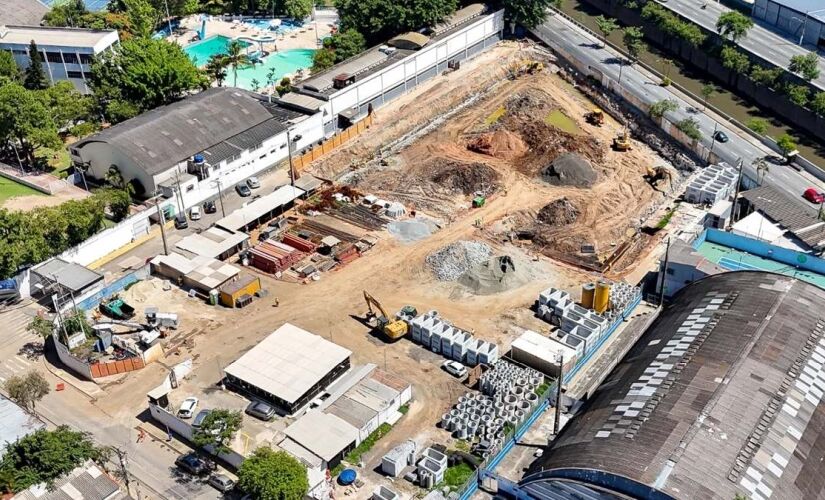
<point x="601" y="300"/>
<point x="588" y="293"/>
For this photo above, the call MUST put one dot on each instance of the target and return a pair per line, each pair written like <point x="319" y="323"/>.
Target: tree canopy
<point x="297" y="9"/>
<point x="8" y="67"/>
<point x="528" y="13"/>
<point x="142" y="74"/>
<point x="339" y="47"/>
<point x="379" y="20"/>
<point x="43" y="456"/>
<point x="217" y="430"/>
<point x="606" y="25"/>
<point x="273" y="475"/>
<point x="25" y="118"/>
<point x="633" y="40"/>
<point x="786" y="144"/>
<point x="34" y="77"/>
<point x="26" y="390"/>
<point x="733" y="25"/>
<point x="807" y="66"/>
<point x="659" y="108"/>
<point x="74" y="14"/>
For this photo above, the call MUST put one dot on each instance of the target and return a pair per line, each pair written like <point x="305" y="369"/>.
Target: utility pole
<point x="123" y="461"/>
<point x="162" y="222"/>
<point x="289" y="140"/>
<point x="220" y="195"/>
<point x="181" y="205"/>
<point x="664" y="274"/>
<point x="734" y="207"/>
<point x="559" y="382"/>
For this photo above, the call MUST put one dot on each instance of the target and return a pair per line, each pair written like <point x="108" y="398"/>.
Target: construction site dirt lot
<point x="503" y="144"/>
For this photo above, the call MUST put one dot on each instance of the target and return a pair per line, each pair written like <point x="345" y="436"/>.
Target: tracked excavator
<point x="378" y="318"/>
<point x="656" y="175"/>
<point x="595" y="117"/>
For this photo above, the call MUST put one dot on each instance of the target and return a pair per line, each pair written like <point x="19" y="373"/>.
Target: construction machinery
<point x="622" y="141"/>
<point x="525" y="67"/>
<point x="595" y="117"/>
<point x="394" y="329"/>
<point x="655" y="175"/>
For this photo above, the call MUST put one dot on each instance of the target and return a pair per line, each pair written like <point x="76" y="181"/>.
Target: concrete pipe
<point x="521" y="381"/>
<point x="509" y="410"/>
<point x="510" y="399"/>
<point x="513" y="420"/>
<point x="531" y="398"/>
<point x="524" y="405"/>
<point x="520" y="414"/>
<point x="517" y="391"/>
<point x="461" y="432"/>
<point x="535" y="381"/>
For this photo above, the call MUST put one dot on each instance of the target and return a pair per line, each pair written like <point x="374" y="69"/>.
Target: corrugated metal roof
<point x="257" y="134"/>
<point x="351" y="67"/>
<point x="219" y="152"/>
<point x="288" y="362"/>
<point x="354" y="412"/>
<point x="793" y="214"/>
<point x="323" y="434"/>
<point x="15" y="423"/>
<point x="301" y="101"/>
<point x="460" y="16"/>
<point x="410" y="40"/>
<point x="68" y="274"/>
<point x="212" y="242"/>
<point x="714" y="398"/>
<point x="87" y="482"/>
<point x="260" y="207"/>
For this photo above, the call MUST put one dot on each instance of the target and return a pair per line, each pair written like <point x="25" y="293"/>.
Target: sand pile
<point x="498" y="144"/>
<point x="558" y="213"/>
<point x="452" y="261"/>
<point x="495" y="275"/>
<point x="570" y="169"/>
<point x="465" y="178"/>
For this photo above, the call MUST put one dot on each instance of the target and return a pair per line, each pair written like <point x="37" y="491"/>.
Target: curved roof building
<point x="721" y="396"/>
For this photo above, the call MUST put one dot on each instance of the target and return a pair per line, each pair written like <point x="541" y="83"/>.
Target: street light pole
<point x="289" y="140"/>
<point x="805" y="23"/>
<point x="713" y="139"/>
<point x="168" y="18"/>
<point x="220" y="196"/>
<point x="162" y="222"/>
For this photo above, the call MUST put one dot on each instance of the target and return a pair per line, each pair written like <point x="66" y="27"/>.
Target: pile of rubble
<point x="452" y="261"/>
<point x="559" y="212"/>
<point x="465" y="178"/>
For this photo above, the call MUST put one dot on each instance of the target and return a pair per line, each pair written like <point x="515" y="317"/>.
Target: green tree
<point x="269" y="474"/>
<point x="606" y="25"/>
<point x="143" y="17"/>
<point x="707" y="92"/>
<point x="142" y="74"/>
<point x="236" y="57"/>
<point x="216" y="68"/>
<point x="798" y="94"/>
<point x="737" y="62"/>
<point x="758" y="125"/>
<point x="43" y="456"/>
<point x="733" y="25"/>
<point x="768" y="77"/>
<point x="177" y="8"/>
<point x="41" y="326"/>
<point x="66" y="13"/>
<point x="297" y="9"/>
<point x="217" y="430"/>
<point x="35" y="78"/>
<point x="118" y="201"/>
<point x="8" y="66"/>
<point x="658" y="109"/>
<point x="786" y="144"/>
<point x="806" y="66"/>
<point x="818" y="103"/>
<point x="690" y="127"/>
<point x="346" y="44"/>
<point x="66" y="105"/>
<point x="26" y="390"/>
<point x="380" y="20"/>
<point x="25" y="119"/>
<point x="323" y="59"/>
<point x="633" y="40"/>
<point x="528" y="13"/>
<point x="284" y="86"/>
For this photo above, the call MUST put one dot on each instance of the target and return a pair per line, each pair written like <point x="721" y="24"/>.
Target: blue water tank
<point x="198" y="158"/>
<point x="347" y="477"/>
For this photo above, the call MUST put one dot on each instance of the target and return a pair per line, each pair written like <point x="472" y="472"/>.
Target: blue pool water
<point x="201" y="51"/>
<point x="288" y="61"/>
<point x="286" y="25"/>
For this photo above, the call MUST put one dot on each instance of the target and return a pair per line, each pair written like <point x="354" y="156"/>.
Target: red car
<point x="813" y="195"/>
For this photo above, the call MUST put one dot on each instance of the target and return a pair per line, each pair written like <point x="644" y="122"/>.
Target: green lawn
<point x="10" y="189"/>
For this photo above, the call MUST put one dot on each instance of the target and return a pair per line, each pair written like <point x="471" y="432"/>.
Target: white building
<point x="191" y="148"/>
<point x="67" y="53"/>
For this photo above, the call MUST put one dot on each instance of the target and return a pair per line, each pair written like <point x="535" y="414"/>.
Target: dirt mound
<point x="495" y="275"/>
<point x="450" y="262"/>
<point x="466" y="178"/>
<point x="570" y="169"/>
<point x="558" y="213"/>
<point x="498" y="144"/>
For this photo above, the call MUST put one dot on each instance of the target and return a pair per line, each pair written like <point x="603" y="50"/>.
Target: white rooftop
<point x="212" y="242"/>
<point x="288" y="362"/>
<point x="207" y="272"/>
<point x="324" y="434"/>
<point x="260" y="207"/>
<point x="759" y="227"/>
<point x="58" y="37"/>
<point x="15" y="423"/>
<point x="542" y="347"/>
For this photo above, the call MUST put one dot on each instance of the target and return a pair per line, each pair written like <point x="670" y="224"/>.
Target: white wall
<point x="106" y="242"/>
<point x="71" y="362"/>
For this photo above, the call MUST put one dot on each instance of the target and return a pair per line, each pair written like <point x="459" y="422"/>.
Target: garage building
<point x="803" y="19"/>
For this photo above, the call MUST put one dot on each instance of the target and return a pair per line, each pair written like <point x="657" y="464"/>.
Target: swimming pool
<point x="288" y="61"/>
<point x="201" y="51"/>
<point x="286" y="25"/>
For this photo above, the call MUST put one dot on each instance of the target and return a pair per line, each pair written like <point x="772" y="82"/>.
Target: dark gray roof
<point x="257" y="134"/>
<point x="87" y="482"/>
<point x="795" y="215"/>
<point x="67" y="274"/>
<point x="721" y="395"/>
<point x="219" y="152"/>
<point x="22" y="12"/>
<point x="161" y="138"/>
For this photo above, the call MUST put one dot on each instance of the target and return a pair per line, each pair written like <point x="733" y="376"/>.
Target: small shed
<point x="398" y="458"/>
<point x="409" y="41"/>
<point x="231" y="293"/>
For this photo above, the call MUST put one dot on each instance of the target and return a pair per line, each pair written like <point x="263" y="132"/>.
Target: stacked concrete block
<point x="441" y="337"/>
<point x="447" y="341"/>
<point x="434" y="464"/>
<point x="713" y="184"/>
<point x="460" y="343"/>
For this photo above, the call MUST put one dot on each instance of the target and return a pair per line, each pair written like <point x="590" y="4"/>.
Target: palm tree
<point x="236" y="57"/>
<point x="216" y="68"/>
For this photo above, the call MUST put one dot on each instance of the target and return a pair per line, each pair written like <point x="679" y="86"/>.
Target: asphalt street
<point x="769" y="45"/>
<point x="560" y="32"/>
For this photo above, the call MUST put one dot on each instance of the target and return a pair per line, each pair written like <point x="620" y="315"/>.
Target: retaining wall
<point x="89" y="302"/>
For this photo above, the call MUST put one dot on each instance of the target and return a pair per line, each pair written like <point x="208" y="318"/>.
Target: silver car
<point x="261" y="410"/>
<point x="221" y="482"/>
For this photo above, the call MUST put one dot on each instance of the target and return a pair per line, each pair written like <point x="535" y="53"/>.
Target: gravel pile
<point x="452" y="261"/>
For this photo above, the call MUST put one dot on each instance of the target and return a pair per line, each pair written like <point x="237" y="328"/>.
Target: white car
<point x="455" y="368"/>
<point x="253" y="183"/>
<point x="187" y="408"/>
<point x="195" y="213"/>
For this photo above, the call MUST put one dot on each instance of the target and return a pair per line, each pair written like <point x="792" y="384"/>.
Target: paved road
<point x="560" y="32"/>
<point x="771" y="46"/>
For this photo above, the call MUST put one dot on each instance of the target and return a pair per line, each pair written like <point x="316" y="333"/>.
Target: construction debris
<point x="496" y="275"/>
<point x="500" y="143"/>
<point x="559" y="212"/>
<point x="452" y="261"/>
<point x="570" y="169"/>
<point x="466" y="178"/>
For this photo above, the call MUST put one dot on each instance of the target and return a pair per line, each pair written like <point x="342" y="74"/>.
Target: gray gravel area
<point x="452" y="261"/>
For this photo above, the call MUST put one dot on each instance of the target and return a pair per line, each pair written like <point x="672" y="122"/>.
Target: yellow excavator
<point x="393" y="329"/>
<point x="656" y="175"/>
<point x="595" y="117"/>
<point x="622" y="141"/>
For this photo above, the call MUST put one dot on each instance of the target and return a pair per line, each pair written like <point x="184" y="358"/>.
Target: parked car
<point x="253" y="183"/>
<point x="261" y="410"/>
<point x="455" y="368"/>
<point x="199" y="418"/>
<point x="221" y="482"/>
<point x="243" y="190"/>
<point x="192" y="464"/>
<point x="187" y="408"/>
<point x="813" y="195"/>
<point x="181" y="222"/>
<point x="195" y="213"/>
<point x="210" y="207"/>
<point x="720" y="136"/>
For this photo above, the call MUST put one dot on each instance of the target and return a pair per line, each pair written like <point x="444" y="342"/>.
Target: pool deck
<point x="300" y="38"/>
